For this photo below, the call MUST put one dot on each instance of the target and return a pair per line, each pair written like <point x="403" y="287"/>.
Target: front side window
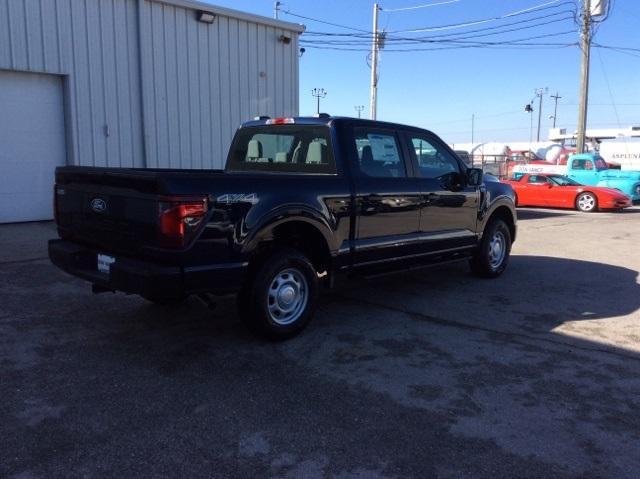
<point x="282" y="148"/>
<point x="563" y="180"/>
<point x="432" y="159"/>
<point x="378" y="154"/>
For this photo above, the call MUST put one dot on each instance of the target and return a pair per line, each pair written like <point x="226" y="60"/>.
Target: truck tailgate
<point x="115" y="209"/>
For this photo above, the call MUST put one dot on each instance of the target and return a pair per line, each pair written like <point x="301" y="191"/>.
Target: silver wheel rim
<point x="497" y="249"/>
<point x="287" y="296"/>
<point x="586" y="202"/>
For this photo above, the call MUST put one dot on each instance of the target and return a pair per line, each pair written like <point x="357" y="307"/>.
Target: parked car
<point x="558" y="191"/>
<point x="302" y="202"/>
<point x="589" y="169"/>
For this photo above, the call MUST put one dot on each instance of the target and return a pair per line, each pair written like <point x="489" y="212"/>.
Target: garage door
<point x="32" y="144"/>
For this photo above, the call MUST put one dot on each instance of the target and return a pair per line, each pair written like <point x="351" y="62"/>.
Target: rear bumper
<point x="146" y="278"/>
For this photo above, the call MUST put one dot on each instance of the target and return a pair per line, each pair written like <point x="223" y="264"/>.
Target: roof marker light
<point x="280" y="121"/>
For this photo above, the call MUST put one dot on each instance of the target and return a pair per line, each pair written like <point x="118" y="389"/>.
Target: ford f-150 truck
<point x="302" y="203"/>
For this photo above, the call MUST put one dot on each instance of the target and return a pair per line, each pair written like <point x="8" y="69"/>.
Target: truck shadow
<point x="538" y="292"/>
<point x="530" y="213"/>
<point x="536" y="295"/>
<point x="483" y="374"/>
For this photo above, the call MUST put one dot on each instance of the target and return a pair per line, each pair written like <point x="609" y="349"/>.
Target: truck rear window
<point x="282" y="148"/>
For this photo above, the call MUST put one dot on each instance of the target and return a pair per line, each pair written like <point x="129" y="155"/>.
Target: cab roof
<point x="327" y="120"/>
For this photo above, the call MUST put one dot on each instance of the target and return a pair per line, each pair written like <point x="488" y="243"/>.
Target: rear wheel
<point x="492" y="257"/>
<point x="587" y="202"/>
<point x="280" y="299"/>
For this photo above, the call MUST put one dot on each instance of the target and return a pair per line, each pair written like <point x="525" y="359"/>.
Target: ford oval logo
<point x="98" y="205"/>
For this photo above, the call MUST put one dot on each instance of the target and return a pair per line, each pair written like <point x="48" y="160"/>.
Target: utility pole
<point x="539" y="93"/>
<point x="318" y="93"/>
<point x="374" y="64"/>
<point x="585" y="46"/>
<point x="555" y="97"/>
<point x="359" y="109"/>
<point x="473" y="120"/>
<point x="276" y="9"/>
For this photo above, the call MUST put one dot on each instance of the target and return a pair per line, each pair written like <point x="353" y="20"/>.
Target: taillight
<point x="180" y="219"/>
<point x="57" y="191"/>
<point x="280" y="121"/>
<point x="55" y="203"/>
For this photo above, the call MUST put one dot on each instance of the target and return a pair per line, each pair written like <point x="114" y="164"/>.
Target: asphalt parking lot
<point x="436" y="373"/>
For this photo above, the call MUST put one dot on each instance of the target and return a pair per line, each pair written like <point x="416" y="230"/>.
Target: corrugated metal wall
<point x="94" y="44"/>
<point x="146" y="84"/>
<point x="203" y="80"/>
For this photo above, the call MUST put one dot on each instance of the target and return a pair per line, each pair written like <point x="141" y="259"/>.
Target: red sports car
<point x="558" y="191"/>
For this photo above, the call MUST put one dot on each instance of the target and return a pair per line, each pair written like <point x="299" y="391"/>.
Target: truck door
<point x="449" y="208"/>
<point x="583" y="171"/>
<point x="387" y="198"/>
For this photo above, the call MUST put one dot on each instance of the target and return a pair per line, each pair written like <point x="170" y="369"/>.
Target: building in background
<point x="130" y="83"/>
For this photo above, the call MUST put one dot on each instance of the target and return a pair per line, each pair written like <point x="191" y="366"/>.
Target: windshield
<point x="282" y="148"/>
<point x="562" y="180"/>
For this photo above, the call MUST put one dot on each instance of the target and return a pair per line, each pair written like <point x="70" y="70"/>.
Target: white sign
<point x="532" y="169"/>
<point x="105" y="262"/>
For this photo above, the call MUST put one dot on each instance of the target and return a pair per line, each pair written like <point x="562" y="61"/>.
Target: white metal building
<point x="130" y="83"/>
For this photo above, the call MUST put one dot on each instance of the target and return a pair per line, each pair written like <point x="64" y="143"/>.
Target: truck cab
<point x="591" y="169"/>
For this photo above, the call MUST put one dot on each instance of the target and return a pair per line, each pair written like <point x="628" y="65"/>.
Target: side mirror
<point x="549" y="185"/>
<point x="474" y="176"/>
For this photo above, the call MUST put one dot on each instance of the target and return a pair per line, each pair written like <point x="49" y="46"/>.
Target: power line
<point x="606" y="78"/>
<point x="438" y="38"/>
<point x="543" y="6"/>
<point x="616" y="47"/>
<point x="288" y="12"/>
<point x="367" y="35"/>
<point x="453" y="44"/>
<point x="426" y="5"/>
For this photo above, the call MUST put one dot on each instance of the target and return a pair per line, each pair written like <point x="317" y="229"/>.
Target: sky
<point x="441" y="89"/>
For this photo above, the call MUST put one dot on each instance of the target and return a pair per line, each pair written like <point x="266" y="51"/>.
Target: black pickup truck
<point x="302" y="202"/>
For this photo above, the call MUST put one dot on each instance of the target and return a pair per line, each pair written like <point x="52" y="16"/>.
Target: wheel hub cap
<point x="587" y="202"/>
<point x="287" y="297"/>
<point x="497" y="250"/>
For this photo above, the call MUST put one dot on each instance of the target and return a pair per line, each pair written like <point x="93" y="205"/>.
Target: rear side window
<point x="379" y="154"/>
<point x="282" y="148"/>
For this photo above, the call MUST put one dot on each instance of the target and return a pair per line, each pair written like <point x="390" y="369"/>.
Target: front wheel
<point x="492" y="257"/>
<point x="587" y="202"/>
<point x="280" y="298"/>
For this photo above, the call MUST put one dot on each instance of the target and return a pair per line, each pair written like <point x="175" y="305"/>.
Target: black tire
<point x="281" y="295"/>
<point x="587" y="202"/>
<point x="485" y="263"/>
